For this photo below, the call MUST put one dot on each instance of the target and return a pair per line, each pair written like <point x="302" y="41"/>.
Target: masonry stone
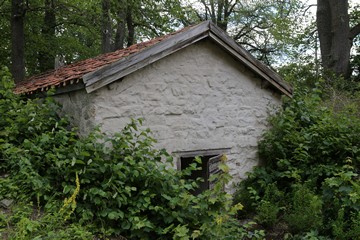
<point x="198" y="98"/>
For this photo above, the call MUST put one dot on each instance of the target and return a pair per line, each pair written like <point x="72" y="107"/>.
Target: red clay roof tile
<point x="73" y="73"/>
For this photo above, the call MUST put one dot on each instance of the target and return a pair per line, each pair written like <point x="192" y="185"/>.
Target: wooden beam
<point x="202" y="152"/>
<point x="134" y="62"/>
<point x="127" y="65"/>
<point x="220" y="37"/>
<point x="69" y="88"/>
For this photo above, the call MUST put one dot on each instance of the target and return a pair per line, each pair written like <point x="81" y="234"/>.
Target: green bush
<point x="308" y="145"/>
<point x="269" y="206"/>
<point x="29" y="223"/>
<point x="125" y="188"/>
<point x="342" y="195"/>
<point x="266" y="213"/>
<point x="306" y="210"/>
<point x="346" y="227"/>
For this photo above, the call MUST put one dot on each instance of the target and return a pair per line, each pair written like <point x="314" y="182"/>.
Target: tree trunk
<point x="221" y="20"/>
<point x="217" y="11"/>
<point x="17" y="40"/>
<point x="106" y="29"/>
<point x="46" y="56"/>
<point x="120" y="30"/>
<point x="131" y="28"/>
<point x="334" y="30"/>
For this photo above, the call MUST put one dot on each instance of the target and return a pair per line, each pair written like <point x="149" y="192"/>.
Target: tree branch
<point x="308" y="7"/>
<point x="231" y="9"/>
<point x="206" y="9"/>
<point x="354" y="32"/>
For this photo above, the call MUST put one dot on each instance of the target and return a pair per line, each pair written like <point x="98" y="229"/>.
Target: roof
<point x="94" y="73"/>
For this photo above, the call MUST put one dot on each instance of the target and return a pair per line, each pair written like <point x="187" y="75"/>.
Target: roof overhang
<point x="125" y="66"/>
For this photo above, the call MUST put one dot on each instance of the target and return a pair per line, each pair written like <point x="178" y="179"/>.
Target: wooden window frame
<point x="193" y="153"/>
<point x="208" y="153"/>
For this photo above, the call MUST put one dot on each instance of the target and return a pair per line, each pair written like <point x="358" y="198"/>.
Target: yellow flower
<point x="219" y="220"/>
<point x="71" y="200"/>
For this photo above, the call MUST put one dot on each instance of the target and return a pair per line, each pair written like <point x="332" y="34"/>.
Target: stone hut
<point x="199" y="92"/>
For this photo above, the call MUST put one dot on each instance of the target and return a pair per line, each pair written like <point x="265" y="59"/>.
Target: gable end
<point x="117" y="70"/>
<point x="127" y="65"/>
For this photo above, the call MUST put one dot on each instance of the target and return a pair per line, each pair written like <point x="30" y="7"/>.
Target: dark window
<point x="209" y="165"/>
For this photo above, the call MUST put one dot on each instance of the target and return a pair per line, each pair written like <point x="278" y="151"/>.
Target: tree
<point x="106" y="27"/>
<point x="18" y="11"/>
<point x="117" y="20"/>
<point x="74" y="30"/>
<point x="46" y="57"/>
<point x="265" y="28"/>
<point x="123" y="22"/>
<point x="219" y="11"/>
<point x="335" y="35"/>
<point x="50" y="29"/>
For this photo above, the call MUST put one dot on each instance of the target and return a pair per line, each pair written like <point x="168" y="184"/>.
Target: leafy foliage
<point x="311" y="154"/>
<point x="271" y="30"/>
<point x="28" y="223"/>
<point x="306" y="211"/>
<point x="124" y="187"/>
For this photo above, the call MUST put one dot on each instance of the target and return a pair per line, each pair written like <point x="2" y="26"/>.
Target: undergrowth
<point x="71" y="187"/>
<point x="309" y="180"/>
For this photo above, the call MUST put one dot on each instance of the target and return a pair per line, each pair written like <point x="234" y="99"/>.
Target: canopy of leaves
<point x="62" y="31"/>
<point x="269" y="29"/>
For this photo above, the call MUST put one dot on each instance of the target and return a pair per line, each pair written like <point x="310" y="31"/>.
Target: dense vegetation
<point x="70" y="187"/>
<point x="308" y="186"/>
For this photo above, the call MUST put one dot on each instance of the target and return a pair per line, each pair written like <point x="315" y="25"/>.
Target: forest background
<point x="308" y="186"/>
<point x="39" y="35"/>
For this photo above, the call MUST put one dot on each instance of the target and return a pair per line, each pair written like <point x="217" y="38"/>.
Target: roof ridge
<point x="96" y="72"/>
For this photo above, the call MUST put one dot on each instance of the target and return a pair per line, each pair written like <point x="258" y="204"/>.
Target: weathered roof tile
<point x="72" y="73"/>
<point x="99" y="71"/>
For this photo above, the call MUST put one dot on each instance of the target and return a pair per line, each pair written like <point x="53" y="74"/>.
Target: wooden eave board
<point x="217" y="35"/>
<point x="132" y="63"/>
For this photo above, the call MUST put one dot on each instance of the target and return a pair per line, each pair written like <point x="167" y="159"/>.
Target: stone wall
<point x="78" y="107"/>
<point x="199" y="98"/>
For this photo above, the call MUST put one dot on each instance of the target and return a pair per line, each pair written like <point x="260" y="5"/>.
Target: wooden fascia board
<point x="203" y="152"/>
<point x="132" y="63"/>
<point x="252" y="63"/>
<point x="69" y="88"/>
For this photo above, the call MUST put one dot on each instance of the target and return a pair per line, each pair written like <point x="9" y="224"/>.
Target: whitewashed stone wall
<point x="196" y="99"/>
<point x="79" y="108"/>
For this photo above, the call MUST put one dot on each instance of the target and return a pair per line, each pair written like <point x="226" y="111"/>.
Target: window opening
<point x="210" y="160"/>
<point x="203" y="173"/>
<point x="209" y="166"/>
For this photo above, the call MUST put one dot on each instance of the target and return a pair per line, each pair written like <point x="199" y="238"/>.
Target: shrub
<point x="342" y="195"/>
<point x="29" y="223"/>
<point x="346" y="227"/>
<point x="306" y="210"/>
<point x="269" y="206"/>
<point x="267" y="213"/>
<point x="309" y="145"/>
<point x="128" y="188"/>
